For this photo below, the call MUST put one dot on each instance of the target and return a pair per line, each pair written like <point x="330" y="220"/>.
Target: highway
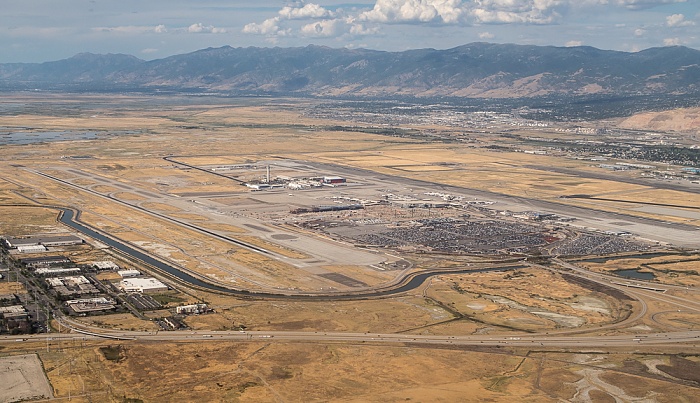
<point x="511" y="340"/>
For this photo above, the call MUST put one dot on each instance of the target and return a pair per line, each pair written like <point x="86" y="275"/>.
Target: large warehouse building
<point x="142" y="284"/>
<point x="58" y="240"/>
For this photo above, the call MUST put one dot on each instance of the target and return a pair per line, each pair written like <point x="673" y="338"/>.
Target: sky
<point x="45" y="30"/>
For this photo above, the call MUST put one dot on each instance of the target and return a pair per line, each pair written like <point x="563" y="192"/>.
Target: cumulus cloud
<point x="573" y="43"/>
<point x="678" y="20"/>
<point x="269" y="27"/>
<point x="403" y="11"/>
<point x="672" y="41"/>
<point x="309" y="10"/>
<point x="486" y="35"/>
<point x="160" y="29"/>
<point x="521" y="12"/>
<point x="149" y="50"/>
<point x="320" y="28"/>
<point x="359" y="29"/>
<point x="328" y="23"/>
<point x="639" y="32"/>
<point x="199" y="28"/>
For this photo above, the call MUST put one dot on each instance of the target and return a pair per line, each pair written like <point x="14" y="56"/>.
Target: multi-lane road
<point x="513" y="340"/>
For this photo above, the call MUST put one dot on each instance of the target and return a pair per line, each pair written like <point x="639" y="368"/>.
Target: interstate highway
<point x="515" y="340"/>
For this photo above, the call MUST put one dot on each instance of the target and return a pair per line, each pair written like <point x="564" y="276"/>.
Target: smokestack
<point x="268" y="174"/>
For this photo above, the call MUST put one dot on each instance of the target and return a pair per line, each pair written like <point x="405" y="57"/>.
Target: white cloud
<point x="468" y="12"/>
<point x="269" y="27"/>
<point x="160" y="29"/>
<point x="195" y="28"/>
<point x="320" y="28"/>
<point x="403" y="11"/>
<point x="486" y="35"/>
<point x="522" y="12"/>
<point x="309" y="10"/>
<point x="570" y="44"/>
<point x="199" y="28"/>
<point x="639" y="32"/>
<point x="678" y="20"/>
<point x="359" y="29"/>
<point x="672" y="41"/>
<point x="149" y="50"/>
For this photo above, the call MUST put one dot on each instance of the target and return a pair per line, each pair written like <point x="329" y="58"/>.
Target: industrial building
<point x="106" y="265"/>
<point x="31" y="249"/>
<point x="46" y="271"/>
<point x="129" y="273"/>
<point x="192" y="309"/>
<point x="16" y="312"/>
<point x="81" y="306"/>
<point x="45" y="261"/>
<point x="71" y="285"/>
<point x="142" y="284"/>
<point x="333" y="180"/>
<point x="56" y="240"/>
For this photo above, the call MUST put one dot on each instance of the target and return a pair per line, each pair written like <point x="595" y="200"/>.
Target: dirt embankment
<point x="680" y="120"/>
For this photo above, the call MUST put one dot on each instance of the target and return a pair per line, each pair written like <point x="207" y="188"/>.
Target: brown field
<point x="295" y="372"/>
<point x="386" y="315"/>
<point x="23" y="221"/>
<point x="120" y="321"/>
<point x="524" y="300"/>
<point x="12" y="288"/>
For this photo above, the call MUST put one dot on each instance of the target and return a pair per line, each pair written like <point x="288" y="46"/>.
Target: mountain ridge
<point x="476" y="69"/>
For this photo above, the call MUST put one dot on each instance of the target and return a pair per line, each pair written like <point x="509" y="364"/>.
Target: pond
<point x="635" y="274"/>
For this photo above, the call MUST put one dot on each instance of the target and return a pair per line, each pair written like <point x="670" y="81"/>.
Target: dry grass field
<point x="523" y="300"/>
<point x="383" y="315"/>
<point x="12" y="287"/>
<point x="296" y="372"/>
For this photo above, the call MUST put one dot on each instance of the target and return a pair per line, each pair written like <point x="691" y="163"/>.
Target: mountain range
<point x="474" y="70"/>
